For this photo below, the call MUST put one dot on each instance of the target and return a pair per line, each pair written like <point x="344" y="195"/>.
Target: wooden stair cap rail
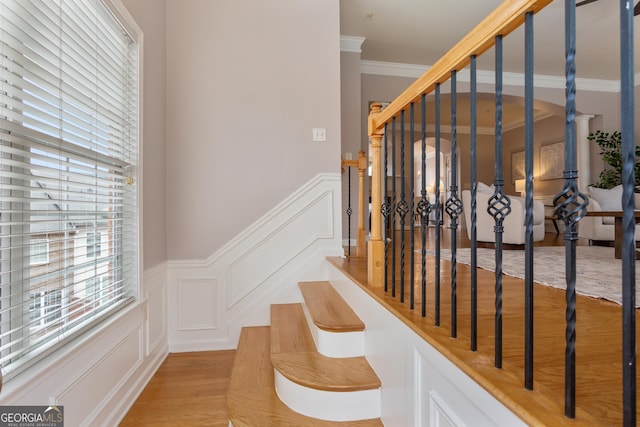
<point x="294" y="355"/>
<point x="328" y="310"/>
<point x="252" y="399"/>
<point x="505" y="18"/>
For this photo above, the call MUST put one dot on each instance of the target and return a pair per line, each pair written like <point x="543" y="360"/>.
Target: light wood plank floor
<point x="189" y="389"/>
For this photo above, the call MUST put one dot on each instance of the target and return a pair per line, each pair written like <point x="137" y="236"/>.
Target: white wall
<point x="247" y="80"/>
<point x="351" y="139"/>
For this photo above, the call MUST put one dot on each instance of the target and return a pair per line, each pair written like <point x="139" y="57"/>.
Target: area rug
<point x="598" y="274"/>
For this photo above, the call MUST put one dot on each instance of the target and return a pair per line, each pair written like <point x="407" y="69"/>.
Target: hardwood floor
<point x="189" y="389"/>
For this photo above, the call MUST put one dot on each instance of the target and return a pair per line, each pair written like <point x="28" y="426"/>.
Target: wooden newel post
<point x="375" y="259"/>
<point x="361" y="242"/>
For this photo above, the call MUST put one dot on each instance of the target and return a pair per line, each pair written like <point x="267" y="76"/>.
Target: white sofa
<point x="514" y="226"/>
<point x="602" y="228"/>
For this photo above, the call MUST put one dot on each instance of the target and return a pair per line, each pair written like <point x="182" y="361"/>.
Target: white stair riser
<point x="336" y="344"/>
<point x="328" y="405"/>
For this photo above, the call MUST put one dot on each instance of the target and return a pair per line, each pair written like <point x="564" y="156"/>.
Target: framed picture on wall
<point x="552" y="160"/>
<point x="517" y="165"/>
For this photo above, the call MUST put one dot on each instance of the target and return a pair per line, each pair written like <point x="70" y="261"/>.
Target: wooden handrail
<point x="508" y="16"/>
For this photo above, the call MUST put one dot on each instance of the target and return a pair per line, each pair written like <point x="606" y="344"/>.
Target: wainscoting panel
<point x="441" y="415"/>
<point x="277" y="249"/>
<point x="420" y="386"/>
<point x="102" y="380"/>
<point x="196" y="305"/>
<point x="261" y="265"/>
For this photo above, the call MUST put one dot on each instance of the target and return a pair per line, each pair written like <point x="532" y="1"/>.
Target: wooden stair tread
<point x="327" y="308"/>
<point x="252" y="400"/>
<point x="294" y="355"/>
<point x="319" y="372"/>
<point x="289" y="330"/>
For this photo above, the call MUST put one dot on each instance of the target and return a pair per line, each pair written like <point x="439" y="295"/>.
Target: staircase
<point x="306" y="368"/>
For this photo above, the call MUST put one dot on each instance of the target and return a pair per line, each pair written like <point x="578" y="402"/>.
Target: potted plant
<point x="611" y="152"/>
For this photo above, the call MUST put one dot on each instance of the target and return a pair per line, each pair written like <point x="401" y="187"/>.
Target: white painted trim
<point x="414" y="71"/>
<point x="351" y="44"/>
<point x="328" y="405"/>
<point x="262" y="265"/>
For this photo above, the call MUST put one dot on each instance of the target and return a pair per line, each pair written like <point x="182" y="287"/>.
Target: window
<point x="93" y="244"/>
<point x="44" y="308"/>
<point x="68" y="156"/>
<point x="39" y="251"/>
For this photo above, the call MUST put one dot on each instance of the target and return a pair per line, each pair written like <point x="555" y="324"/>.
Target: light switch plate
<point x="319" y="134"/>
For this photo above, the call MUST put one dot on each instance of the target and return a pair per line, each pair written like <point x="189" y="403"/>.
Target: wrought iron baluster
<point x="424" y="207"/>
<point x="385" y="209"/>
<point x="438" y="209"/>
<point x="474" y="189"/>
<point x="454" y="209"/>
<point x="628" y="220"/>
<point x="349" y="212"/>
<point x="528" y="260"/>
<point x="570" y="206"/>
<point x="412" y="274"/>
<point x="499" y="206"/>
<point x="393" y="207"/>
<point x="402" y="207"/>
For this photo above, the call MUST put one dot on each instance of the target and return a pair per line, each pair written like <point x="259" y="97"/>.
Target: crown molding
<point x="414" y="71"/>
<point x="351" y="44"/>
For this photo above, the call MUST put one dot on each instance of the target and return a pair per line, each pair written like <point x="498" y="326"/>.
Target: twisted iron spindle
<point x="499" y="205"/>
<point x="412" y="239"/>
<point x="438" y="209"/>
<point x="570" y="207"/>
<point x="474" y="189"/>
<point x="528" y="276"/>
<point x="628" y="220"/>
<point x="393" y="207"/>
<point x="385" y="210"/>
<point x="424" y="207"/>
<point x="402" y="207"/>
<point x="454" y="209"/>
<point x="349" y="212"/>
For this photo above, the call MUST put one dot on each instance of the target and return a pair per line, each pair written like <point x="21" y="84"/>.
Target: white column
<point x="583" y="145"/>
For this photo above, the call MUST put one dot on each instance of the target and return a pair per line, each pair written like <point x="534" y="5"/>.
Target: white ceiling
<point x="420" y="31"/>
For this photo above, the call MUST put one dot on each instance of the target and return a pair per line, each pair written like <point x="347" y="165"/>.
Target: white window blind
<point x="68" y="155"/>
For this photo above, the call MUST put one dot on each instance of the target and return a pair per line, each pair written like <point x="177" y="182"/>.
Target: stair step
<point x="344" y="388"/>
<point x="252" y="399"/>
<point x="336" y="328"/>
<point x="327" y="308"/>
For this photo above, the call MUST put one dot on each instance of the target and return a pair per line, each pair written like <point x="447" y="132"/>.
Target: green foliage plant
<point x="611" y="152"/>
